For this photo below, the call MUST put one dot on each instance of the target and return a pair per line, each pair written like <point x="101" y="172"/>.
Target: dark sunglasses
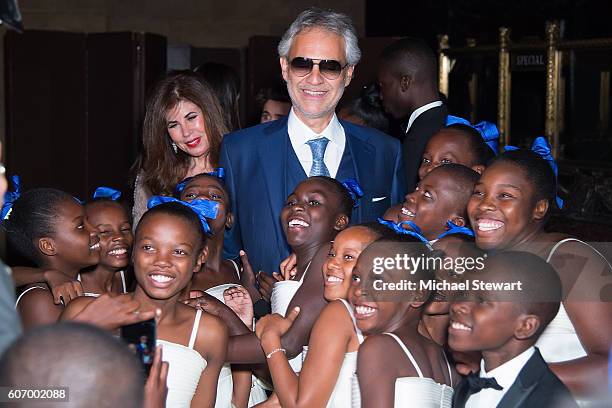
<point x="330" y="69"/>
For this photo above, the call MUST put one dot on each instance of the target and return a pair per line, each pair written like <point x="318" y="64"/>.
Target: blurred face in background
<point x="274" y="110"/>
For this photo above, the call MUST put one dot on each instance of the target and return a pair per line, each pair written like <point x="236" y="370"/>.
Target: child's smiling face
<point x="342" y="257"/>
<point x="446" y="146"/>
<point x="502" y="210"/>
<point x="113" y="226"/>
<point x="205" y="187"/>
<point x="76" y="241"/>
<point x="167" y="251"/>
<point x="311" y="214"/>
<point x="432" y="204"/>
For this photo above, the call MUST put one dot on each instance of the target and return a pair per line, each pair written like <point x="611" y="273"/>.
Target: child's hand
<point x="62" y="286"/>
<point x="239" y="300"/>
<point x="247" y="277"/>
<point x="467" y="362"/>
<point x="289" y="267"/>
<point x="274" y="326"/>
<point x="156" y="389"/>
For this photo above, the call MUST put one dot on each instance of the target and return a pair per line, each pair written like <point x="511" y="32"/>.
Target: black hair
<point x="221" y="182"/>
<point x="33" y="216"/>
<point x="58" y="354"/>
<point x="346" y="201"/>
<point x="276" y="93"/>
<point x="368" y="107"/>
<point x="481" y="151"/>
<point x="541" y="290"/>
<point x="464" y="179"/>
<point x="225" y="83"/>
<point x="537" y="171"/>
<point x="180" y="211"/>
<point x="102" y="201"/>
<point x="412" y="56"/>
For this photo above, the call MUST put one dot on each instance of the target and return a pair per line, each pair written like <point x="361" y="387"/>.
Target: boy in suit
<point x="504" y="323"/>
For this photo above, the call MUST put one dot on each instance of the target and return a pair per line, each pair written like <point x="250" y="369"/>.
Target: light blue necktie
<point x="317" y="146"/>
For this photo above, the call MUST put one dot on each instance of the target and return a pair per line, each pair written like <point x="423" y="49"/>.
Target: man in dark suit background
<point x="408" y="80"/>
<point x="264" y="163"/>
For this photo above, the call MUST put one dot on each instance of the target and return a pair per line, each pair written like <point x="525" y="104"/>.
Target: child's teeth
<point x="161" y="278"/>
<point x="362" y="310"/>
<point x="334" y="279"/>
<point x="95" y="246"/>
<point x="489" y="225"/>
<point x="294" y="223"/>
<point x="459" y="326"/>
<point x="119" y="251"/>
<point x="407" y="212"/>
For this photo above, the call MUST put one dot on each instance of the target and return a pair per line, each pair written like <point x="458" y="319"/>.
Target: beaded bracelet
<point x="274" y="351"/>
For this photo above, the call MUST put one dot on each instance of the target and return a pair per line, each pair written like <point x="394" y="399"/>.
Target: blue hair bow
<point x="455" y="229"/>
<point x="203" y="208"/>
<point x="488" y="130"/>
<point x="354" y="190"/>
<point x="414" y="230"/>
<point x="10" y="197"/>
<point x="219" y="172"/>
<point x="106" y="192"/>
<point x="541" y="146"/>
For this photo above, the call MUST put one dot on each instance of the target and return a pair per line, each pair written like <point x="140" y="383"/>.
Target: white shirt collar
<point x="301" y="133"/>
<point x="419" y="111"/>
<point x="506" y="374"/>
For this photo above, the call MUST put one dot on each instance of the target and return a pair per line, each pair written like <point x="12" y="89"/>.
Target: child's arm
<point x="246" y="349"/>
<point x="211" y="343"/>
<point x="328" y="343"/>
<point x="62" y="286"/>
<point x="375" y="372"/>
<point x="584" y="274"/>
<point x="36" y="308"/>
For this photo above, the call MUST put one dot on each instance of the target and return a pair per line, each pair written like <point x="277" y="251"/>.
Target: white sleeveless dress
<point x="342" y="395"/>
<point x="282" y="294"/>
<point x="420" y="391"/>
<point x="92" y="294"/>
<point x="185" y="368"/>
<point x="559" y="341"/>
<point x="225" y="385"/>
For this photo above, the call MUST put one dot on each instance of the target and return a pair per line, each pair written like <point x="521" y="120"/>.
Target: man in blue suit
<point x="264" y="163"/>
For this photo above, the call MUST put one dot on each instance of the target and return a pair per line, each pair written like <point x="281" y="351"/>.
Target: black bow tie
<point x="477" y="384"/>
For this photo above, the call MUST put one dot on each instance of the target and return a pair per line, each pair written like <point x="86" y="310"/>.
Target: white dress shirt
<point x="299" y="134"/>
<point x="505" y="375"/>
<point x="420" y="110"/>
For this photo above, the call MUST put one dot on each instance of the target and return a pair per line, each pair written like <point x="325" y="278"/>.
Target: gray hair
<point x="329" y="20"/>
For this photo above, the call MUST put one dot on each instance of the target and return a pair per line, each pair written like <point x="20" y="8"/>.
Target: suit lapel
<point x="525" y="382"/>
<point x="362" y="152"/>
<point x="272" y="151"/>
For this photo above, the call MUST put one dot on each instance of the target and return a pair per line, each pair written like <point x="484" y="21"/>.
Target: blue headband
<point x="10" y="197"/>
<point x="542" y="148"/>
<point x="203" y="208"/>
<point x="488" y="131"/>
<point x="106" y="192"/>
<point x="219" y="173"/>
<point x="414" y="230"/>
<point x="455" y="229"/>
<point x="354" y="190"/>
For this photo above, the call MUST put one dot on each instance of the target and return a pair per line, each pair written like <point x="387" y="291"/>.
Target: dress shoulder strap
<point x="450" y="372"/>
<point x="123" y="281"/>
<point x="305" y="272"/>
<point x="26" y="291"/>
<point x="349" y="309"/>
<point x="408" y="353"/>
<point x="563" y="241"/>
<point x="194" y="330"/>
<point x="235" y="267"/>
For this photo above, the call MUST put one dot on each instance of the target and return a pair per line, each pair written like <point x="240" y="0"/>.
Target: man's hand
<point x="112" y="312"/>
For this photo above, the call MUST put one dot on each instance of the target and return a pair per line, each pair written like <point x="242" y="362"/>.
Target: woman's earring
<point x="174" y="148"/>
